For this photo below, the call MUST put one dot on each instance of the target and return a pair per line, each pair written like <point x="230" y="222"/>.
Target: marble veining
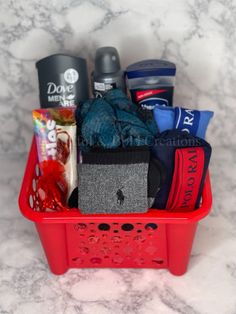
<point x="199" y="36"/>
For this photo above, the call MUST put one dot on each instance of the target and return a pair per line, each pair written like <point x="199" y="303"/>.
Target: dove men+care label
<point x="63" y="81"/>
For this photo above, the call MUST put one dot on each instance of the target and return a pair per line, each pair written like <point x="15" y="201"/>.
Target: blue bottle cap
<point x="153" y="67"/>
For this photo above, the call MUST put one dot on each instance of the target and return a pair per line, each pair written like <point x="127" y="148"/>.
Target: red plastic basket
<point x="156" y="239"/>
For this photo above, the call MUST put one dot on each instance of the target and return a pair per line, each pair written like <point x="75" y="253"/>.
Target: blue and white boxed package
<point x="194" y="122"/>
<point x="151" y="83"/>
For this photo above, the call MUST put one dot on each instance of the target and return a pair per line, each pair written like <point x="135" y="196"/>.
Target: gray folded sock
<point x="114" y="181"/>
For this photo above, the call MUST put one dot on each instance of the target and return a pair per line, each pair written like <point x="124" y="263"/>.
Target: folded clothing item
<point x="156" y="177"/>
<point x="120" y="100"/>
<point x="188" y="171"/>
<point x="166" y="145"/>
<point x="194" y="122"/>
<point x="114" y="121"/>
<point x="116" y="181"/>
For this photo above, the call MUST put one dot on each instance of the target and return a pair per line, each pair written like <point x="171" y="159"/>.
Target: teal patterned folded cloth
<point x="114" y="121"/>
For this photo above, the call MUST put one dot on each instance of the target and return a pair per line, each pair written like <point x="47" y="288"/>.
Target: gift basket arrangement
<point x="119" y="179"/>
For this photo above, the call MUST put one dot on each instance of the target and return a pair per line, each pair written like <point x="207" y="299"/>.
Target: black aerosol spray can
<point x="107" y="71"/>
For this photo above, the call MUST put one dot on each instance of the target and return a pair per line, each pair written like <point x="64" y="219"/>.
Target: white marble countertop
<point x="199" y="36"/>
<point x="28" y="287"/>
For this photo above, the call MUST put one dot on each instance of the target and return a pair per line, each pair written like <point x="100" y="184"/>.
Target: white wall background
<point x="198" y="35"/>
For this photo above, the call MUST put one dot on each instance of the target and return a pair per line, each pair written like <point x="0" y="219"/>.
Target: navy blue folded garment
<point x="164" y="150"/>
